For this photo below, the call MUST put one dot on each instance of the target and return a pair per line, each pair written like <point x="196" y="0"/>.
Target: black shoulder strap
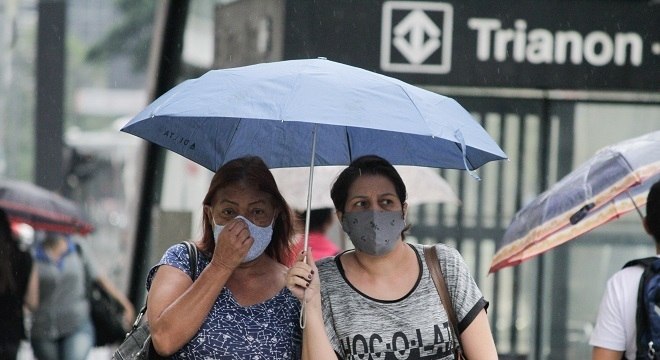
<point x="192" y="258"/>
<point x="85" y="262"/>
<point x="80" y="252"/>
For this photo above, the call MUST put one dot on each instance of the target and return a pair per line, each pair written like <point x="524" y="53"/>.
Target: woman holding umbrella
<point x="238" y="307"/>
<point x="379" y="299"/>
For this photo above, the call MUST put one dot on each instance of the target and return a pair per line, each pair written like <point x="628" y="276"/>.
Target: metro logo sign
<point x="416" y="37"/>
<point x="580" y="44"/>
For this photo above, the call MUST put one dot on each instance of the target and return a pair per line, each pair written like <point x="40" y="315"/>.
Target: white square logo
<point x="416" y="37"/>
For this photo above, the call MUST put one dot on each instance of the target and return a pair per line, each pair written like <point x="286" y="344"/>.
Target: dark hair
<point x="251" y="171"/>
<point x="8" y="249"/>
<point x="653" y="211"/>
<point x="365" y="165"/>
<point x="317" y="218"/>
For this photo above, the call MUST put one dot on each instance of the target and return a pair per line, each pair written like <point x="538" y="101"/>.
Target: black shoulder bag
<point x="137" y="344"/>
<point x="106" y="311"/>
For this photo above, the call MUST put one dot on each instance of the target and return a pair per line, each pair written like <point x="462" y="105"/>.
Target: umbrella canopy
<point x="312" y="112"/>
<point x="272" y="110"/>
<point x="613" y="182"/>
<point x="424" y="185"/>
<point x="41" y="208"/>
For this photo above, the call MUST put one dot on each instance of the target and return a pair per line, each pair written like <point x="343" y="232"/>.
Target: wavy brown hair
<point x="252" y="171"/>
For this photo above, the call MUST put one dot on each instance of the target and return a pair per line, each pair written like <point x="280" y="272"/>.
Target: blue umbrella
<point x="305" y="112"/>
<point x="272" y="110"/>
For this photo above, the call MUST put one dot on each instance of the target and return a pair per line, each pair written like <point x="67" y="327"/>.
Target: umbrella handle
<point x="303" y="319"/>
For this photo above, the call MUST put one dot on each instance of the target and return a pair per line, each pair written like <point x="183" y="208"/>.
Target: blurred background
<point x="551" y="81"/>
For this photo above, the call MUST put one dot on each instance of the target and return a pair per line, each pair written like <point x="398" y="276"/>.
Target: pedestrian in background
<point x="62" y="328"/>
<point x="320" y="221"/>
<point x="615" y="334"/>
<point x="19" y="289"/>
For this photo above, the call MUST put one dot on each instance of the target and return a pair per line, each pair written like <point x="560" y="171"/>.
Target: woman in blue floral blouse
<point x="238" y="307"/>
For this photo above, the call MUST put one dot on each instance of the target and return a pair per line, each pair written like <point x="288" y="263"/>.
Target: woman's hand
<point x="234" y="242"/>
<point x="302" y="279"/>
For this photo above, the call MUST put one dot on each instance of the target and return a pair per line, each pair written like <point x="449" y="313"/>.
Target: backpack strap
<point x="644" y="262"/>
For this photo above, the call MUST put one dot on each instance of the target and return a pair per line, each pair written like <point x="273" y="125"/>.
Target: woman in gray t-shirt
<point x="378" y="300"/>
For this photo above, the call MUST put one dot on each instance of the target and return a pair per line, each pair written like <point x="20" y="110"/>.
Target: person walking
<point x="238" y="307"/>
<point x="62" y="328"/>
<point x="19" y="289"/>
<point x="615" y="334"/>
<point x="378" y="300"/>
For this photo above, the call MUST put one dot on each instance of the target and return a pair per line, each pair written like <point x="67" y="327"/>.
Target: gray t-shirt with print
<point x="413" y="327"/>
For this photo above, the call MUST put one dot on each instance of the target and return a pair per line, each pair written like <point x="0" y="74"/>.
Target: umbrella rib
<point x="460" y="146"/>
<point x="229" y="144"/>
<point x="292" y="91"/>
<point x="415" y="105"/>
<point x="635" y="204"/>
<point x="348" y="144"/>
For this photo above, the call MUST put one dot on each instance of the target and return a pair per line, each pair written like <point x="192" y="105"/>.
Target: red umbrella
<point x="41" y="208"/>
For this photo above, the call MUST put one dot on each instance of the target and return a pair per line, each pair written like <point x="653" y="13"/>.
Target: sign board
<point x="587" y="45"/>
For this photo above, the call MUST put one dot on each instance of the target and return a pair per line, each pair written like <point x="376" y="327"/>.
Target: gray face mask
<point x="374" y="232"/>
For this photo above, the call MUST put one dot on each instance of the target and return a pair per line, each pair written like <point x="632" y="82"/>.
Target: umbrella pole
<point x="309" y="208"/>
<point x="635" y="204"/>
<point x="309" y="190"/>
